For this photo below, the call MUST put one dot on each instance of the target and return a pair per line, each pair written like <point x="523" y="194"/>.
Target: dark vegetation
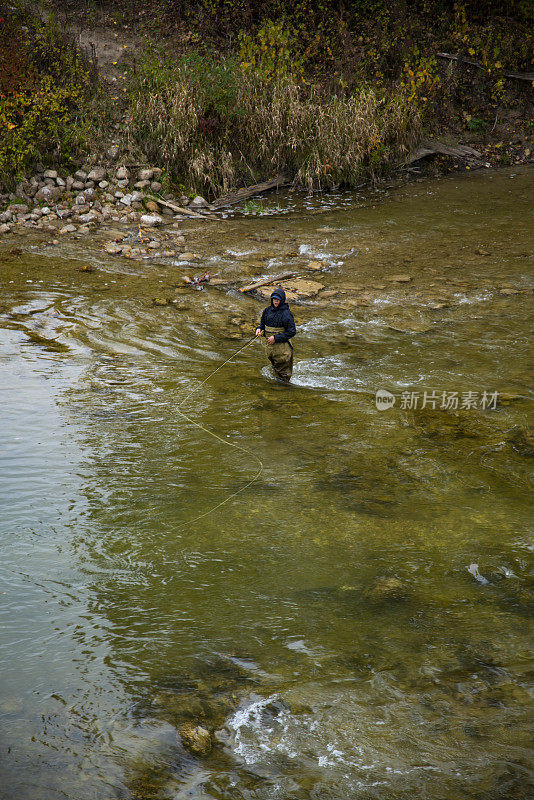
<point x="226" y="92"/>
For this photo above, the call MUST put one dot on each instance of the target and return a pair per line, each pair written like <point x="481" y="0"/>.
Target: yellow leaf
<point x="471" y="51"/>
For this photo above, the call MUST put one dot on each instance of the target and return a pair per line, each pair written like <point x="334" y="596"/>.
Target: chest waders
<point x="280" y="354"/>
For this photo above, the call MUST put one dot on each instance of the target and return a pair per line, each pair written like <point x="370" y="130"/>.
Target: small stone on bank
<point x="151" y="220"/>
<point x="112" y="248"/>
<point x="97" y="174"/>
<point x="198" y="202"/>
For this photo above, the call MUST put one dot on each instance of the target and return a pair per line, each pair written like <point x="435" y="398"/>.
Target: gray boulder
<point x="48" y="194"/>
<point x="97" y="174"/>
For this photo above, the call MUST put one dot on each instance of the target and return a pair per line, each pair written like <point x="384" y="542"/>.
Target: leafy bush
<point x="271" y="53"/>
<point x="45" y="85"/>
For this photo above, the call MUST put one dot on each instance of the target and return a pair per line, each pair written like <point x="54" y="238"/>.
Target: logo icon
<point x="384" y="400"/>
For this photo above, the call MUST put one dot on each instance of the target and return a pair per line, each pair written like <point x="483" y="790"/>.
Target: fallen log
<point x="250" y="191"/>
<point x="266" y="281"/>
<point x="518" y="76"/>
<point x="428" y="147"/>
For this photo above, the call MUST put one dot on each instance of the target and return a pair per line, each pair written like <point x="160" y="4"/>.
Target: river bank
<point x="79" y="86"/>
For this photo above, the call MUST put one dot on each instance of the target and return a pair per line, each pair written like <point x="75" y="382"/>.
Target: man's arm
<point x="290" y="330"/>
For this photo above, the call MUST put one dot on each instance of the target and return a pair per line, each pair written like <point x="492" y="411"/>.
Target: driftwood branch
<point x="173" y="207"/>
<point x="518" y="76"/>
<point x="266" y="281"/>
<point x="250" y="191"/>
<point x="428" y="147"/>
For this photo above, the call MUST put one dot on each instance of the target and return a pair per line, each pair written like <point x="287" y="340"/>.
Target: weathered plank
<point x="428" y="147"/>
<point x="250" y="191"/>
<point x="266" y="281"/>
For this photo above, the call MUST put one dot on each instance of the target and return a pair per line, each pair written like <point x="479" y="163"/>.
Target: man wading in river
<point x="278" y="326"/>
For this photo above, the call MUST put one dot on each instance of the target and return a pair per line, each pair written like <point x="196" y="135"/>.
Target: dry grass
<point x="246" y="129"/>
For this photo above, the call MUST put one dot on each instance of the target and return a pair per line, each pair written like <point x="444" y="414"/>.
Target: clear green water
<point x="266" y="621"/>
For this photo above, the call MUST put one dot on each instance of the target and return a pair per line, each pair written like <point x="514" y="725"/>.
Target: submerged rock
<point x="522" y="440"/>
<point x="303" y="288"/>
<point x="386" y="589"/>
<point x="196" y="739"/>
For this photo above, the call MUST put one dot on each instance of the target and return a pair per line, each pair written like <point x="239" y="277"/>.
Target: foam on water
<point x="332" y="373"/>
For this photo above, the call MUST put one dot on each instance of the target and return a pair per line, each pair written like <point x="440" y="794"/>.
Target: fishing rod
<point x="219" y="438"/>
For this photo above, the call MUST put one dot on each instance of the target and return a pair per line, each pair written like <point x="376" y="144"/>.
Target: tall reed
<point x="238" y="128"/>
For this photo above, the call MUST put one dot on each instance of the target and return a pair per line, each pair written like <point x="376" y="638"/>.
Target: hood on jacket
<point x="281" y="296"/>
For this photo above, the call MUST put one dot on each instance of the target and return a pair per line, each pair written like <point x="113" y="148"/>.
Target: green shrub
<point x="46" y="87"/>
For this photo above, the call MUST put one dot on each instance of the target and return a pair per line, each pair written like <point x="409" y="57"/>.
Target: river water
<point x="355" y="623"/>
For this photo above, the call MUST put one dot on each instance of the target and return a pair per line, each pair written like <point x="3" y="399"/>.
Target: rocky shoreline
<point x="78" y="203"/>
<point x="131" y="216"/>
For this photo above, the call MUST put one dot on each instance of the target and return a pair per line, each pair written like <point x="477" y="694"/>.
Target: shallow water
<point x="328" y="621"/>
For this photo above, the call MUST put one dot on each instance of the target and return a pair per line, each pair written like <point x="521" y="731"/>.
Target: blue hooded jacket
<point x="280" y="317"/>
